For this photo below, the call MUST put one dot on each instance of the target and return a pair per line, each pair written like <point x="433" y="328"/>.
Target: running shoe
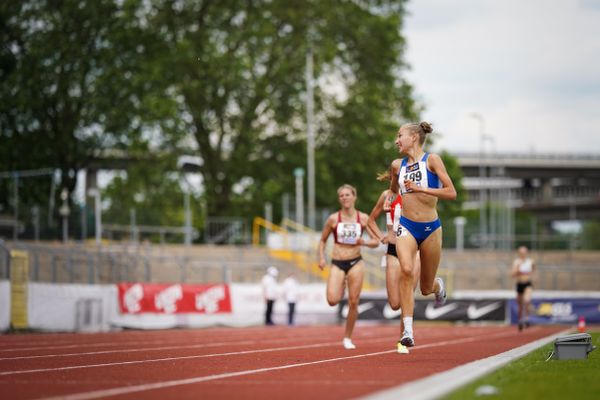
<point x="440" y="297"/>
<point x="407" y="340"/>
<point x="401" y="349"/>
<point x="348" y="345"/>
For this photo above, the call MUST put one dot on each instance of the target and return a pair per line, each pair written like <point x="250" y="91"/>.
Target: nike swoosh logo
<point x="388" y="313"/>
<point x="433" y="313"/>
<point x="361" y="308"/>
<point x="474" y="313"/>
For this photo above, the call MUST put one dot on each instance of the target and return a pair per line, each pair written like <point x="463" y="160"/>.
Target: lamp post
<point x="460" y="232"/>
<point x="95" y="193"/>
<point x="483" y="228"/>
<point x="188" y="164"/>
<point x="310" y="138"/>
<point x="64" y="212"/>
<point x="299" y="175"/>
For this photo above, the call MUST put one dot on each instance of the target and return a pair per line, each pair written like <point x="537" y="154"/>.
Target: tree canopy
<point x="222" y="80"/>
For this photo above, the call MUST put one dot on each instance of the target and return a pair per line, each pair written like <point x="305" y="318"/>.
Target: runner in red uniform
<point x="346" y="226"/>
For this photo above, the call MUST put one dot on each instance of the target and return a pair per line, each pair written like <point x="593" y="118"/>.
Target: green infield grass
<point x="532" y="377"/>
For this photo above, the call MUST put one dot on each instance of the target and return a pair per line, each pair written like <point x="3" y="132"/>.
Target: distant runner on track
<point x="523" y="268"/>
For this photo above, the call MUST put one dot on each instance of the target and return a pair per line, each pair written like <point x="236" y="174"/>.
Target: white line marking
<point x="233" y="353"/>
<point x="161" y="385"/>
<point x="138" y="342"/>
<point x="443" y="383"/>
<point x="197" y="346"/>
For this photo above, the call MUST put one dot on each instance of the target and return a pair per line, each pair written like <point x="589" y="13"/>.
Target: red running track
<point x="260" y="362"/>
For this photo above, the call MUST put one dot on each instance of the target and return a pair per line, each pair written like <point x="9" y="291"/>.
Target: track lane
<point x="369" y="339"/>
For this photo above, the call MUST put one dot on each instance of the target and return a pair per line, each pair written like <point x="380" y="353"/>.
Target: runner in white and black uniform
<point x="346" y="226"/>
<point x="522" y="270"/>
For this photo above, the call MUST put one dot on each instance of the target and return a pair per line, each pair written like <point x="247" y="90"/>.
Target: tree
<point x="235" y="69"/>
<point x="68" y="87"/>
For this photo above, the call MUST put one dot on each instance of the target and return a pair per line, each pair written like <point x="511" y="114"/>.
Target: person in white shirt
<point x="522" y="270"/>
<point x="269" y="285"/>
<point x="290" y="293"/>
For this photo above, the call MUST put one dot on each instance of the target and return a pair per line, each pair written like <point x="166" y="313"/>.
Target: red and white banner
<point x="137" y="298"/>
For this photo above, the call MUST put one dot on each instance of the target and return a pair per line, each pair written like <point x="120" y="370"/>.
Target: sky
<point x="528" y="69"/>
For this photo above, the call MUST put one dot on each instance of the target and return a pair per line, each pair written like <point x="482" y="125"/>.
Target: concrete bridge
<point x="552" y="186"/>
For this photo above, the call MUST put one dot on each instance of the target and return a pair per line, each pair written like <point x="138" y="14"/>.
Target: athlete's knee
<point x="406" y="269"/>
<point x="332" y="299"/>
<point x="394" y="304"/>
<point x="353" y="301"/>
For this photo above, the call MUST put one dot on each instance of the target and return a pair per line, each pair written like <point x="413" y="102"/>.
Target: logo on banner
<point x="166" y="300"/>
<point x="209" y="300"/>
<point x="361" y="308"/>
<point x="474" y="312"/>
<point x="555" y="310"/>
<point x="132" y="298"/>
<point x="433" y="313"/>
<point x="389" y="313"/>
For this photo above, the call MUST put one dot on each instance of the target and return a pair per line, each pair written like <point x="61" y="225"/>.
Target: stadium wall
<point x="4" y="305"/>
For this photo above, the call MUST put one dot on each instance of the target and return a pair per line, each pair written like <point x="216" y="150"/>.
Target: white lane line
<point x="179" y="347"/>
<point x="137" y="349"/>
<point x="443" y="383"/>
<point x="161" y="385"/>
<point x="137" y="343"/>
<point x="233" y="353"/>
<point x="153" y="335"/>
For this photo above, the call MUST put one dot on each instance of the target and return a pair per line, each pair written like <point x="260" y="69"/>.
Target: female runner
<point x="347" y="226"/>
<point x="421" y="179"/>
<point x="392" y="263"/>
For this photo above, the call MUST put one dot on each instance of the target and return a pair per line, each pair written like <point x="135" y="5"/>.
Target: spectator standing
<point x="269" y="285"/>
<point x="290" y="293"/>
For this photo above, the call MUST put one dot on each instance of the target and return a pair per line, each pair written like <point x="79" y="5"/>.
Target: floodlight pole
<point x="310" y="138"/>
<point x="95" y="193"/>
<point x="482" y="191"/>
<point x="299" y="177"/>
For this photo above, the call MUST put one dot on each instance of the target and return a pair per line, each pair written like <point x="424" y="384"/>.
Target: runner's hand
<point x="412" y="186"/>
<point x="322" y="263"/>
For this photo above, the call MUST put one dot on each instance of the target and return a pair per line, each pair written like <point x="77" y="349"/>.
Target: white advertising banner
<point x="70" y="307"/>
<point x="4" y="305"/>
<point x="93" y="308"/>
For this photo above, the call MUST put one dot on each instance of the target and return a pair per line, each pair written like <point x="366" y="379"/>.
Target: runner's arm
<point x="447" y="191"/>
<point x="372" y="227"/>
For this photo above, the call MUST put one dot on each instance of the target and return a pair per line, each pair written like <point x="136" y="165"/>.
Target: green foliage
<point x="224" y="80"/>
<point x="590" y="237"/>
<point x="532" y="377"/>
<point x="236" y="71"/>
<point x="68" y="86"/>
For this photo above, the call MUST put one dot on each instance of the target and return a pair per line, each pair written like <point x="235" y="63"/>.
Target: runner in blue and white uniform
<point x="421" y="179"/>
<point x="392" y="265"/>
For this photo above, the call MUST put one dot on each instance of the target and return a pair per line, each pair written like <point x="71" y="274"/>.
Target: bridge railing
<point x="558" y="194"/>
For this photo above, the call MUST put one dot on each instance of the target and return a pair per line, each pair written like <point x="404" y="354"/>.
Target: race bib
<point x="348" y="233"/>
<point x="401" y="231"/>
<point x="416" y="173"/>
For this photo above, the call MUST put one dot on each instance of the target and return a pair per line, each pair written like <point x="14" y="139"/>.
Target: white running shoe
<point x="440" y="297"/>
<point x="401" y="349"/>
<point x="348" y="345"/>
